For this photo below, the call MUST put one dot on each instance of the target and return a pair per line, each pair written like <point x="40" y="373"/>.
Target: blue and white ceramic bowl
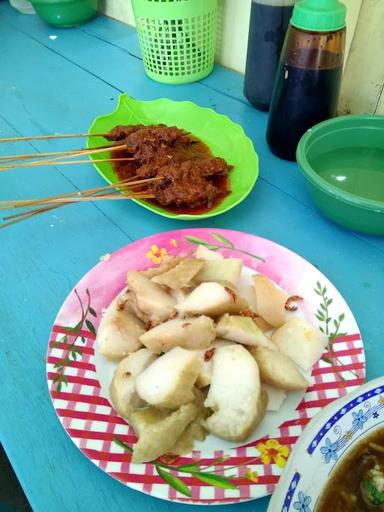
<point x="326" y="439"/>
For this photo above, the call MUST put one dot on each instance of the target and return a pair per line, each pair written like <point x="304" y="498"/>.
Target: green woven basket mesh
<point x="177" y="38"/>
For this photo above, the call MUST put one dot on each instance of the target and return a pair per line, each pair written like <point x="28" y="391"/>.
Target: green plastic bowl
<point x="224" y="137"/>
<point x="65" y="13"/>
<point x="342" y="160"/>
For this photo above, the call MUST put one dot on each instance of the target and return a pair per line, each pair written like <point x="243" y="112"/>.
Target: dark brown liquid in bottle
<point x="267" y="29"/>
<point x="306" y="89"/>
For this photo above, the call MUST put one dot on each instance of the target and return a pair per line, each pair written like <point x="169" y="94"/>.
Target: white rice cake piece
<point x="206" y="362"/>
<point x="270" y="300"/>
<point x="123" y="386"/>
<point x="243" y="330"/>
<point x="228" y="269"/>
<point x="235" y="394"/>
<point x="168" y="382"/>
<point x="212" y="299"/>
<point x="119" y="331"/>
<point x="150" y="297"/>
<point x="278" y="370"/>
<point x="301" y="341"/>
<point x="181" y="275"/>
<point x="190" y="333"/>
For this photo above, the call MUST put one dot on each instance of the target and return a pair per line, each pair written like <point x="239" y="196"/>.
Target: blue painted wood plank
<point x="128" y="76"/>
<point x="61" y="84"/>
<point x="114" y="32"/>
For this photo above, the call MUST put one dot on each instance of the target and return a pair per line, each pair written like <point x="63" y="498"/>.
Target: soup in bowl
<point x="337" y="464"/>
<point x="357" y="483"/>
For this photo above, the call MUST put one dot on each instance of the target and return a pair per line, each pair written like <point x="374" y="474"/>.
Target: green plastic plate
<point x="225" y="138"/>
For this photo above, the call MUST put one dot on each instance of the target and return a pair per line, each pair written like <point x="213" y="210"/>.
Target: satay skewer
<point x="53" y="161"/>
<point x="18" y="217"/>
<point x="60" y="201"/>
<point x="53" y="202"/>
<point x="30" y="156"/>
<point x="53" y="136"/>
<point x="69" y="162"/>
<point x="119" y="185"/>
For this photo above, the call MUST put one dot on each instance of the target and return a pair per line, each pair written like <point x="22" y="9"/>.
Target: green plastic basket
<point x="177" y="38"/>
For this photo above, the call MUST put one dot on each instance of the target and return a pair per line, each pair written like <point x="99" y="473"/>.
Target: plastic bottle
<point x="307" y="84"/>
<point x="267" y="27"/>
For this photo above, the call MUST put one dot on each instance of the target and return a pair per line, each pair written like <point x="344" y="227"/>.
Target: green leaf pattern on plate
<point x="330" y="326"/>
<point x="224" y="244"/>
<point x="194" y="470"/>
<point x="174" y="481"/>
<point x="73" y="352"/>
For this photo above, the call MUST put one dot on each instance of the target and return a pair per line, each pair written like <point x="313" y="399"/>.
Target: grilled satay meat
<point x="186" y="183"/>
<point x="186" y="165"/>
<point x="121" y="131"/>
<point x="137" y="136"/>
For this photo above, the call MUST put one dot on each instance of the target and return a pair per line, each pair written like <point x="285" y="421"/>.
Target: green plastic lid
<point x="319" y="15"/>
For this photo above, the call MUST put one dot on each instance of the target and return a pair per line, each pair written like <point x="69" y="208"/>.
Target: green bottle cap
<point x="319" y="15"/>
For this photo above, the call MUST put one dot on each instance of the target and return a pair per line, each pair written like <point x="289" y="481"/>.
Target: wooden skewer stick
<point x="62" y="201"/>
<point x="125" y="184"/>
<point x="6" y="205"/>
<point x="68" y="197"/>
<point x="31" y="156"/>
<point x="57" y="159"/>
<point x="28" y="215"/>
<point x="63" y="155"/>
<point x="58" y="136"/>
<point x="70" y="162"/>
<point x="80" y="199"/>
<point x="15" y="218"/>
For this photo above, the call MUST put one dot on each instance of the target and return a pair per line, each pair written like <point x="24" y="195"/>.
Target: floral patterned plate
<point x="326" y="439"/>
<point x="217" y="472"/>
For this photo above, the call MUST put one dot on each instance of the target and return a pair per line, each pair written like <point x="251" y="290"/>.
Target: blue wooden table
<point x="58" y="81"/>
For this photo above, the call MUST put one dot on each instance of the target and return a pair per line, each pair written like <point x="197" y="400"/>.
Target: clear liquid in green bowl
<point x="359" y="171"/>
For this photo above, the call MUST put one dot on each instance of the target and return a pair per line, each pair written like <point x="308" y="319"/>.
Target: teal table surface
<point x="58" y="81"/>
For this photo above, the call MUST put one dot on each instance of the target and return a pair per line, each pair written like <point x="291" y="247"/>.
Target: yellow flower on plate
<point x="272" y="451"/>
<point x="348" y="435"/>
<point x="173" y="242"/>
<point x="252" y="475"/>
<point x="156" y="255"/>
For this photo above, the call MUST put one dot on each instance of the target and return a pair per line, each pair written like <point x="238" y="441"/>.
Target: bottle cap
<point x="319" y="15"/>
